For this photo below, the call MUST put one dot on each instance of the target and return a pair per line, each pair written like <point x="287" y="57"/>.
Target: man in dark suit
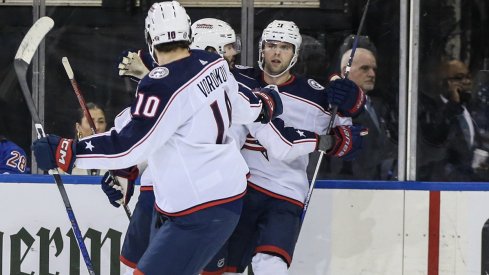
<point x="447" y="128"/>
<point x="378" y="161"/>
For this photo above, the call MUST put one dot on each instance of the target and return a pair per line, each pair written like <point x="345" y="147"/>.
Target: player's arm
<point x="116" y="148"/>
<point x="283" y="142"/>
<point x="154" y="119"/>
<point x="258" y="105"/>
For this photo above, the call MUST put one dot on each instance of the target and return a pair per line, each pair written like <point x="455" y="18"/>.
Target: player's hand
<point x="345" y="94"/>
<point x="135" y="64"/>
<point x="349" y="141"/>
<point x="452" y="90"/>
<point x="52" y="152"/>
<point x="121" y="193"/>
<point x="271" y="104"/>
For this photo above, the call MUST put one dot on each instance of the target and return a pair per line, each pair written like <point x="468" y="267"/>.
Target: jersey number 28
<point x="17" y="161"/>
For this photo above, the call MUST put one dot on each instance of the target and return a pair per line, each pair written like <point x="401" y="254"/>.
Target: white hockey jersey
<point x="305" y="107"/>
<point x="281" y="141"/>
<point x="179" y="123"/>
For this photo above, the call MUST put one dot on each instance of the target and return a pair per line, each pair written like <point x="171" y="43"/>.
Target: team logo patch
<point x="316" y="86"/>
<point x="159" y="72"/>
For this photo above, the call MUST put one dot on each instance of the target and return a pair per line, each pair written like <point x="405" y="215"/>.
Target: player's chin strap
<point x="151" y="48"/>
<point x="152" y="52"/>
<point x="277" y="75"/>
<point x="291" y="64"/>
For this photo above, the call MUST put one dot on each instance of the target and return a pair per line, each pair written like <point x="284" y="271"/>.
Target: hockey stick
<point x="334" y="110"/>
<point x="89" y="118"/>
<point x="22" y="60"/>
<point x="348" y="66"/>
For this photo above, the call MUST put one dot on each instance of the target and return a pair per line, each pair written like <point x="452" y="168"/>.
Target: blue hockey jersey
<point x="13" y="159"/>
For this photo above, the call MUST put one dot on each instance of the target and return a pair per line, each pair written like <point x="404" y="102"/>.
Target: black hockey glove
<point x="135" y="64"/>
<point x="120" y="194"/>
<point x="349" y="141"/>
<point x="345" y="94"/>
<point x="271" y="104"/>
<point x="52" y="152"/>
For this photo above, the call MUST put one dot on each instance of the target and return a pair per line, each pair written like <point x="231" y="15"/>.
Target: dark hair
<point x="90" y="106"/>
<point x="168" y="47"/>
<point x="210" y="49"/>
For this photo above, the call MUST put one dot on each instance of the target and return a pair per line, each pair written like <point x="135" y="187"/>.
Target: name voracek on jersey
<point x="213" y="80"/>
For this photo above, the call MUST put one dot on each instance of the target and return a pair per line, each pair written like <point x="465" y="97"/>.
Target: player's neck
<point x="168" y="57"/>
<point x="277" y="80"/>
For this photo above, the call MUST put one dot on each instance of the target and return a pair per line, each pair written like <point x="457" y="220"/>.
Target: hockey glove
<point x="345" y="94"/>
<point x="135" y="64"/>
<point x="53" y="152"/>
<point x="271" y="104"/>
<point x="121" y="193"/>
<point x="348" y="142"/>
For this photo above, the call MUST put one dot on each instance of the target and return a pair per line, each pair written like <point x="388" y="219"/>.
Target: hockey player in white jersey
<point x="179" y="123"/>
<point x="270" y="221"/>
<point x="283" y="142"/>
<point x="208" y="34"/>
<point x="217" y="36"/>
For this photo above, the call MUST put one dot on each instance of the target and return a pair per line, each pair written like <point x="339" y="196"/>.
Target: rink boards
<point x="351" y="227"/>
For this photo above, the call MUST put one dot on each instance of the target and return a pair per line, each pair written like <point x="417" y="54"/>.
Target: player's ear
<point x="343" y="71"/>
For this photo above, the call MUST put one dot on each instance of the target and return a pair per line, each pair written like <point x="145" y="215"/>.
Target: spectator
<point x="83" y="127"/>
<point x="13" y="159"/>
<point x="378" y="161"/>
<point x="447" y="128"/>
<point x="83" y="130"/>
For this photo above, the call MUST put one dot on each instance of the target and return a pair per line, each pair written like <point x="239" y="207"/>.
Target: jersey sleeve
<point x="284" y="142"/>
<point x="341" y="120"/>
<point x="152" y="119"/>
<point x="245" y="105"/>
<point x="122" y="118"/>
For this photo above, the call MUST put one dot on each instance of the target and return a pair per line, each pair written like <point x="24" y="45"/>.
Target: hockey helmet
<point x="281" y="31"/>
<point x="166" y="22"/>
<point x="210" y="32"/>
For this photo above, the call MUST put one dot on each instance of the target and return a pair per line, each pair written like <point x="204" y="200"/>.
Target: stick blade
<point x="33" y="38"/>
